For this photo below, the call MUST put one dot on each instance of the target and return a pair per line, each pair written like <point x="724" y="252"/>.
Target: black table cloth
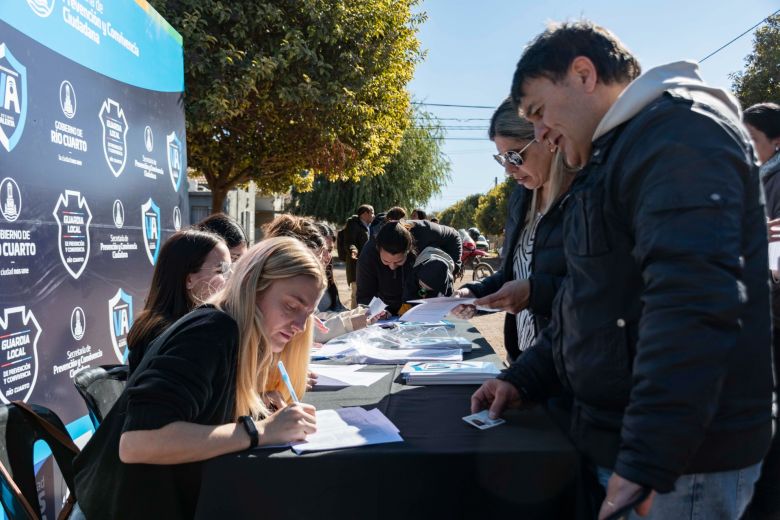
<point x="445" y="468"/>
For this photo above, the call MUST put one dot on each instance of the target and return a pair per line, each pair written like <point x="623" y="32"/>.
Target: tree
<point x="277" y="88"/>
<point x="760" y="81"/>
<point x="413" y="175"/>
<point x="462" y="213"/>
<point x="491" y="211"/>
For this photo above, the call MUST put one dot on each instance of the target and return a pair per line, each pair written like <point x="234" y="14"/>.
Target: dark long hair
<point x="226" y="227"/>
<point x="181" y="255"/>
<point x="394" y="237"/>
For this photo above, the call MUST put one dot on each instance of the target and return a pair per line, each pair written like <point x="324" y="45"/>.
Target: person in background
<point x="196" y="396"/>
<point x="434" y="220"/>
<point x="661" y="328"/>
<point x="331" y="323"/>
<point x="419" y="214"/>
<point x="229" y="230"/>
<point x="432" y="275"/>
<point x="763" y="124"/>
<point x="386" y="265"/>
<point x="532" y="269"/>
<point x="356" y="235"/>
<point x="394" y="213"/>
<point x="330" y="301"/>
<point x="192" y="266"/>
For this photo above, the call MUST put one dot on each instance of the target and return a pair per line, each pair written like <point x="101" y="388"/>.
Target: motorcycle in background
<point x="471" y="256"/>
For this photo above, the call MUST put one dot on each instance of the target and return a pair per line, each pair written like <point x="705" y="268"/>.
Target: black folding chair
<point x="21" y="425"/>
<point x="100" y="387"/>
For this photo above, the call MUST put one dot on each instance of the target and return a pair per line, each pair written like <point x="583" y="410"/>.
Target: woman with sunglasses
<point x="534" y="263"/>
<point x="191" y="267"/>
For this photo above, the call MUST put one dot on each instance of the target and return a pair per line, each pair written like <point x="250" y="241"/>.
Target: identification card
<point x="482" y="421"/>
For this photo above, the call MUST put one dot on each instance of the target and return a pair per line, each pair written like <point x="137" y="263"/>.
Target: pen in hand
<point x="287" y="382"/>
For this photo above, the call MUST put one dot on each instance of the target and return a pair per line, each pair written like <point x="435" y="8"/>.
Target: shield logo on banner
<point x="150" y="213"/>
<point x="120" y="315"/>
<point x="19" y="331"/>
<point x="112" y="118"/>
<point x="42" y="8"/>
<point x="13" y="98"/>
<point x="73" y="218"/>
<point x="175" y="156"/>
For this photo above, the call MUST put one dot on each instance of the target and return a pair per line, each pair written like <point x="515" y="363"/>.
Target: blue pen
<point x="286" y="379"/>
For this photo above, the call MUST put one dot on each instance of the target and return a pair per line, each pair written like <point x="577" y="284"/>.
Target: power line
<point x="738" y="37"/>
<point x="462" y="119"/>
<point x="450" y="105"/>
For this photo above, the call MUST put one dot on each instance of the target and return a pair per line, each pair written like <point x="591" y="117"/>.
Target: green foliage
<point x="492" y="208"/>
<point x="760" y="81"/>
<point x="277" y="88"/>
<point x="462" y="213"/>
<point x="410" y="179"/>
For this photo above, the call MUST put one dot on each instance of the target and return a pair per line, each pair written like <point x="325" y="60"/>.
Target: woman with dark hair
<point x="230" y="231"/>
<point x="330" y="301"/>
<point x="763" y="124"/>
<point x="386" y="266"/>
<point x="192" y="266"/>
<point x="534" y="264"/>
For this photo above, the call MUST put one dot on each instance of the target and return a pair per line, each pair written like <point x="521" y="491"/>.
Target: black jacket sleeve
<point x="177" y="380"/>
<point x="487" y="285"/>
<point x="367" y="274"/>
<point x="544" y="287"/>
<point x="684" y="196"/>
<point x="533" y="373"/>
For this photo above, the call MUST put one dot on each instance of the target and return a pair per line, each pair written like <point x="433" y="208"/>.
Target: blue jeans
<point x="705" y="496"/>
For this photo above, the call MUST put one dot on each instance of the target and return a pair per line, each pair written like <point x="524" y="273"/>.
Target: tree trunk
<point x="218" y="195"/>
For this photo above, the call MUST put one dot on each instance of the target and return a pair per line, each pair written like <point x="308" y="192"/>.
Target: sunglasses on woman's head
<point x="513" y="157"/>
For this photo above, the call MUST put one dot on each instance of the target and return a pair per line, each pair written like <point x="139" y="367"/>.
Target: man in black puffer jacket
<point x="661" y="329"/>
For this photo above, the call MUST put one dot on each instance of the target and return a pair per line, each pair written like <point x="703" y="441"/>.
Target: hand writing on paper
<point x="512" y="297"/>
<point x="291" y="423"/>
<point x="497" y="395"/>
<point x="464" y="312"/>
<point x="621" y="492"/>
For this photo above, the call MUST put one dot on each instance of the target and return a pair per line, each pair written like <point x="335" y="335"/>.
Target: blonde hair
<point x="267" y="261"/>
<point x="558" y="183"/>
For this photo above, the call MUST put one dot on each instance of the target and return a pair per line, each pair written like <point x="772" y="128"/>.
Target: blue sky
<point x="472" y="47"/>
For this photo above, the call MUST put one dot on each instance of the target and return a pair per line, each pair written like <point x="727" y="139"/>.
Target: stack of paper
<point x="459" y="373"/>
<point x="435" y="309"/>
<point x="388" y="356"/>
<point x="344" y="375"/>
<point x="349" y="428"/>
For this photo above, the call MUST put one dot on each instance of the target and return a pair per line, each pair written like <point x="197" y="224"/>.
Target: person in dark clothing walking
<point x="533" y="265"/>
<point x="387" y="263"/>
<point x="763" y="124"/>
<point x="661" y="328"/>
<point x="355" y="237"/>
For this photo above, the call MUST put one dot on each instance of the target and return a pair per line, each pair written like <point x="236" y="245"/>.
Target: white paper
<point x="375" y="307"/>
<point x="348" y="428"/>
<point x="344" y="375"/>
<point x="435" y="309"/>
<point x="774" y="256"/>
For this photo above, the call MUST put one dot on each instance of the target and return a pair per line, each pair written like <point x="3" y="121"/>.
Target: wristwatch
<point x="251" y="430"/>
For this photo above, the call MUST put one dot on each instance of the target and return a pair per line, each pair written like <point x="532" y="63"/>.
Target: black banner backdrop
<point x="92" y="181"/>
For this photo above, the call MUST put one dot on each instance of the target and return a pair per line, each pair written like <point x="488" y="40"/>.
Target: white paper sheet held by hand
<point x="375" y="307"/>
<point x="435" y="309"/>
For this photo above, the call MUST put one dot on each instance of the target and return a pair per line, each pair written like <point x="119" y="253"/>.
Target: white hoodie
<point x="680" y="77"/>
